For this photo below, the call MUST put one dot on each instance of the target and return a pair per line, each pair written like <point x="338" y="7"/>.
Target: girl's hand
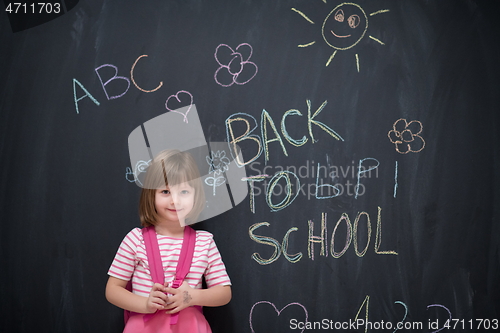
<point x="157" y="299"/>
<point x="181" y="298"/>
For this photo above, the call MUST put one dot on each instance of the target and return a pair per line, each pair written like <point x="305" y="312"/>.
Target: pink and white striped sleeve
<point x="215" y="274"/>
<point x="126" y="257"/>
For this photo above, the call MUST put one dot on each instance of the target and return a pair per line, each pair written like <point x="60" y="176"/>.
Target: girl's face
<point x="173" y="203"/>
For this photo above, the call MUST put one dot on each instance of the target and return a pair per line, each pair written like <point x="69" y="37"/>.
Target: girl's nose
<point x="175" y="198"/>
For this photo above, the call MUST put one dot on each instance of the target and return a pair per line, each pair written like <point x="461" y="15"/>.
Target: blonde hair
<point x="168" y="168"/>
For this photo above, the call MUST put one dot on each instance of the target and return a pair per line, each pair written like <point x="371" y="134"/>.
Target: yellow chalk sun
<point x="343" y="28"/>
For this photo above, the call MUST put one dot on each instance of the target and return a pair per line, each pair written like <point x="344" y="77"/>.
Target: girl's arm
<point x="215" y="296"/>
<point x="117" y="294"/>
<point x="185" y="296"/>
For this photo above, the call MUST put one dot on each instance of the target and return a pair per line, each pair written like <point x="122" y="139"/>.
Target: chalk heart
<point x="277" y="311"/>
<point x="183" y="98"/>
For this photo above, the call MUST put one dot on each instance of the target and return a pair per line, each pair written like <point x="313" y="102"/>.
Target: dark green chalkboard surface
<point x="369" y="136"/>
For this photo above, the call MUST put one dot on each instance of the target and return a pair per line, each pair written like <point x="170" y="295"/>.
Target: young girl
<point x="171" y="198"/>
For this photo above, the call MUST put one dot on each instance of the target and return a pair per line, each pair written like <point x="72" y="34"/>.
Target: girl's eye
<point x="185" y="192"/>
<point x="165" y="192"/>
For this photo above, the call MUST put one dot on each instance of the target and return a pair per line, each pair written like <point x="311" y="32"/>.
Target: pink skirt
<point x="190" y="320"/>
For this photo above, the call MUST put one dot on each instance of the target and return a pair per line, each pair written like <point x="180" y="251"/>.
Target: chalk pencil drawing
<point x="289" y="196"/>
<point x="343" y="28"/>
<point x="186" y="96"/>
<point x="366" y="304"/>
<point x="218" y="165"/>
<point x="251" y="180"/>
<point x="87" y="94"/>
<point x="278" y="312"/>
<point x="317" y="239"/>
<point x="133" y="79"/>
<point x="395" y="180"/>
<point x="140" y="167"/>
<point x="443" y="307"/>
<point x="406" y="313"/>
<point x="115" y="77"/>
<point x="232" y="140"/>
<point x="406" y="136"/>
<point x="234" y="64"/>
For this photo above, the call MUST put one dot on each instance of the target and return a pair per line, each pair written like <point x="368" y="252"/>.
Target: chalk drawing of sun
<point x="343" y="28"/>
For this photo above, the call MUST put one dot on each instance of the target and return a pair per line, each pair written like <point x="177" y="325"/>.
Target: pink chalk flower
<point x="235" y="65"/>
<point x="406" y="136"/>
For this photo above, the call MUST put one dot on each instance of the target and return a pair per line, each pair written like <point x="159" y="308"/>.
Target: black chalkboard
<point x="369" y="134"/>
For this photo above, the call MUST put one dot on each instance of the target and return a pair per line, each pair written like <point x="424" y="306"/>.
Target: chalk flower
<point x="406" y="136"/>
<point x="140" y="167"/>
<point x="219" y="163"/>
<point x="235" y="66"/>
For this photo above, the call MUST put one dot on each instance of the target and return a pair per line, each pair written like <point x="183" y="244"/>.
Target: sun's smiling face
<point x="345" y="26"/>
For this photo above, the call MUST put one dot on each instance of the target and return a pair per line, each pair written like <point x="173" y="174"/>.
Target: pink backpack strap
<point x="154" y="256"/>
<point x="154" y="261"/>
<point x="184" y="263"/>
<point x="186" y="256"/>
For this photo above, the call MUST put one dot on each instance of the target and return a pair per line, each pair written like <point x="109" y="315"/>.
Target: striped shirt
<point x="131" y="262"/>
